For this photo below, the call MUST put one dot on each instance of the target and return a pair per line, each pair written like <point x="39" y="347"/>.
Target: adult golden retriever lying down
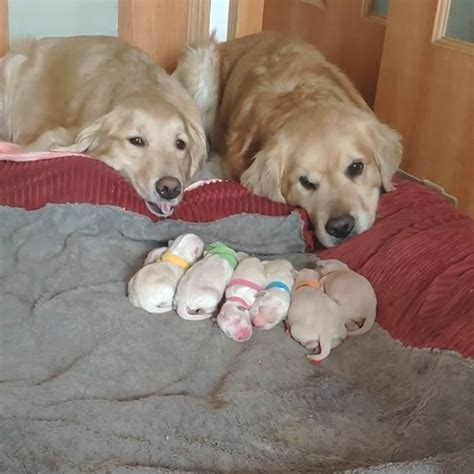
<point x="101" y="96"/>
<point x="293" y="128"/>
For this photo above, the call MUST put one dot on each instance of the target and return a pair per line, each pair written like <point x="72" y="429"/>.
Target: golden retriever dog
<point x="293" y="128"/>
<point x="97" y="95"/>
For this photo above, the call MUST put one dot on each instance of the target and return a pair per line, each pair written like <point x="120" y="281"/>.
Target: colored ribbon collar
<point x="246" y="283"/>
<point x="308" y="284"/>
<point x="279" y="285"/>
<point x="226" y="253"/>
<point x="169" y="257"/>
<point x="241" y="301"/>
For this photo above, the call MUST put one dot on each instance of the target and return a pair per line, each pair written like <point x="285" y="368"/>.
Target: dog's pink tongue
<point x="166" y="209"/>
<point x="162" y="209"/>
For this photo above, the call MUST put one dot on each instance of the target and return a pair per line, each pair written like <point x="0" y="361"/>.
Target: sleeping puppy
<point x="293" y="129"/>
<point x="271" y="305"/>
<point x="153" y="287"/>
<point x="352" y="292"/>
<point x="314" y="319"/>
<point x="202" y="287"/>
<point x="99" y="96"/>
<point x="234" y="317"/>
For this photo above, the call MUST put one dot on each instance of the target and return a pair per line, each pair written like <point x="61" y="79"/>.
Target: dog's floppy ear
<point x="388" y="153"/>
<point x="155" y="255"/>
<point x="263" y="177"/>
<point x="197" y="147"/>
<point x="86" y="139"/>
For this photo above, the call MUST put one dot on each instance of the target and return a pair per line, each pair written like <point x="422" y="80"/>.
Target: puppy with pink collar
<point x="271" y="305"/>
<point x="247" y="281"/>
<point x="201" y="289"/>
<point x="153" y="287"/>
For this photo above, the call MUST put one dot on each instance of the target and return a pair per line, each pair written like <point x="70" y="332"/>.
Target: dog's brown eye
<point x="307" y="184"/>
<point x="355" y="169"/>
<point x="137" y="141"/>
<point x="180" y="144"/>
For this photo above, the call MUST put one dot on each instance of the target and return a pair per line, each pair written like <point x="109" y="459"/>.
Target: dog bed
<point x="90" y="383"/>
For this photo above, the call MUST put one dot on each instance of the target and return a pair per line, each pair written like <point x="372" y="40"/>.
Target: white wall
<point x="38" y="18"/>
<point x="218" y="18"/>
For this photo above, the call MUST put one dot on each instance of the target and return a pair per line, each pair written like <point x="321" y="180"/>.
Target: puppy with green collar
<point x="202" y="288"/>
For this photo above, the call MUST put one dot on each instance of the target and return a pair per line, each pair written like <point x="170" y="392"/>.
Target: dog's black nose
<point x="340" y="227"/>
<point x="168" y="188"/>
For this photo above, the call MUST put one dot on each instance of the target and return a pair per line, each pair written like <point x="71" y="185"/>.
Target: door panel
<point x="345" y="31"/>
<point x="426" y="91"/>
<point x="460" y="20"/>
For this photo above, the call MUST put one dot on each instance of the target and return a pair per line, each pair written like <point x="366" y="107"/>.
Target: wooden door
<point x="426" y="91"/>
<point x="347" y="32"/>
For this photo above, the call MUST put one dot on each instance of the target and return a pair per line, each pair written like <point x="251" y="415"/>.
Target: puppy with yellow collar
<point x="153" y="287"/>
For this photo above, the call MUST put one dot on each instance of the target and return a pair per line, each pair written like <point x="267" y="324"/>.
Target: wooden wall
<point x="163" y="27"/>
<point x="245" y="17"/>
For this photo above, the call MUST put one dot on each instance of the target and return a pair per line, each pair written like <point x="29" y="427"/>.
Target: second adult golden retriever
<point x="293" y="128"/>
<point x="100" y="96"/>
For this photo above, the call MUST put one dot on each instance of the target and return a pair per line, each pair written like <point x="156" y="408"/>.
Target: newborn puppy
<point x="271" y="305"/>
<point x="153" y="286"/>
<point x="352" y="292"/>
<point x="247" y="280"/>
<point x="202" y="287"/>
<point x="314" y="319"/>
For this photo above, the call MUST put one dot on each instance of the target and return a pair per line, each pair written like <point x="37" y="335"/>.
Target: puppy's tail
<point x="325" y="350"/>
<point x="197" y="308"/>
<point x="198" y="71"/>
<point x="368" y="323"/>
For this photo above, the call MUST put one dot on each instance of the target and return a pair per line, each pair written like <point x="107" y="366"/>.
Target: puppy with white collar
<point x="352" y="292"/>
<point x="314" y="319"/>
<point x="201" y="289"/>
<point x="153" y="286"/>
<point x="234" y="317"/>
<point x="271" y="305"/>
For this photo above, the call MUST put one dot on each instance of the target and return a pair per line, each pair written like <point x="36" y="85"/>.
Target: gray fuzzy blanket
<point x="88" y="383"/>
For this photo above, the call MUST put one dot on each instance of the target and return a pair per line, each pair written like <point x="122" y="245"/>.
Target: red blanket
<point x="419" y="255"/>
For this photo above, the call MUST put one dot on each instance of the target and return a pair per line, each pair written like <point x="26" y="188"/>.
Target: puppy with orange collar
<point x="314" y="319"/>
<point x="153" y="286"/>
<point x="247" y="281"/>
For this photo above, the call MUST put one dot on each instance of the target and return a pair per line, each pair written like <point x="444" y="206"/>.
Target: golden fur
<point x="281" y="115"/>
<point x="93" y="94"/>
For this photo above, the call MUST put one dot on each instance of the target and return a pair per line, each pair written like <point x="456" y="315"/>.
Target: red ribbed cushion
<point x="419" y="255"/>
<point x="31" y="185"/>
